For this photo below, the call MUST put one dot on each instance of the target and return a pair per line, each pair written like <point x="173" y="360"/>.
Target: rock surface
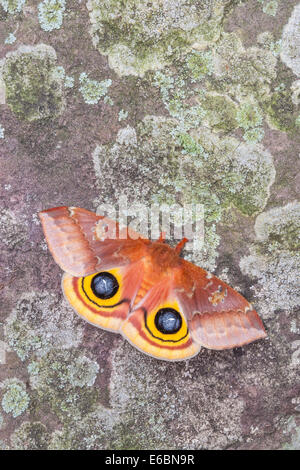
<point x="187" y="102"/>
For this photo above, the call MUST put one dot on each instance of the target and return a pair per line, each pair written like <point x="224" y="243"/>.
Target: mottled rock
<point x="161" y="102"/>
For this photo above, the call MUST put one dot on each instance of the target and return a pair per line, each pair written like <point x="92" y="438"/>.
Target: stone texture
<point x="173" y="104"/>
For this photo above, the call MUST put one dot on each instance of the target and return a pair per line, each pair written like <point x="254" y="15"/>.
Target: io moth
<point x="162" y="304"/>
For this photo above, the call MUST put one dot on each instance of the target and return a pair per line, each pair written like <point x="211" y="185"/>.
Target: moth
<point x="162" y="304"/>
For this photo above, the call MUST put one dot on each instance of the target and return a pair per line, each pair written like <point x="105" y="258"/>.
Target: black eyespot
<point x="104" y="285"/>
<point x="168" y="321"/>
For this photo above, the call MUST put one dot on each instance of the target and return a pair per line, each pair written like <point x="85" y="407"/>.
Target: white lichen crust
<point x="141" y="35"/>
<point x="290" y="49"/>
<point x="275" y="259"/>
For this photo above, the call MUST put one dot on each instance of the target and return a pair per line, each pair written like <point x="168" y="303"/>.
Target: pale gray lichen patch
<point x="3" y="446"/>
<point x="94" y="431"/>
<point x="30" y="436"/>
<point x="279" y="228"/>
<point x="196" y="168"/>
<point x="13" y="229"/>
<point x="141" y="35"/>
<point x="15" y="399"/>
<point x="292" y="430"/>
<point x="269" y="6"/>
<point x="152" y="409"/>
<point x="274" y="260"/>
<point x="33" y="88"/>
<point x="40" y="322"/>
<point x="290" y="49"/>
<point x="238" y="70"/>
<point x="64" y="380"/>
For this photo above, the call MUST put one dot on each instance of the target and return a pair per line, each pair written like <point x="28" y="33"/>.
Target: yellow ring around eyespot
<point x="176" y="337"/>
<point x="85" y="289"/>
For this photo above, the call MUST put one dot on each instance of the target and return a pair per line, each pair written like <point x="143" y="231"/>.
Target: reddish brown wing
<point x="218" y="316"/>
<point x="83" y="243"/>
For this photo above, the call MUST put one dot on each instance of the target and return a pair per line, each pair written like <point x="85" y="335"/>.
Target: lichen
<point x="274" y="260"/>
<point x="12" y="6"/>
<point x="248" y="116"/>
<point x="292" y="430"/>
<point x="199" y="64"/>
<point x="93" y="431"/>
<point x="51" y="13"/>
<point x="13" y="228"/>
<point x="15" y="399"/>
<point x="30" y="436"/>
<point x="92" y="90"/>
<point x="2" y="130"/>
<point x="195" y="168"/>
<point x="279" y="228"/>
<point x="239" y="71"/>
<point x="69" y="82"/>
<point x="270" y="7"/>
<point x="142" y="35"/>
<point x="281" y="111"/>
<point x="40" y="322"/>
<point x="291" y="42"/>
<point x="10" y="39"/>
<point x="122" y="115"/>
<point x="63" y="380"/>
<point x="220" y="112"/>
<point x="254" y="135"/>
<point x="33" y="90"/>
<point x="151" y="408"/>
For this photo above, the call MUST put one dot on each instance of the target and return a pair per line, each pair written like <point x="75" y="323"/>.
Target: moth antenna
<point x="162" y="237"/>
<point x="180" y="245"/>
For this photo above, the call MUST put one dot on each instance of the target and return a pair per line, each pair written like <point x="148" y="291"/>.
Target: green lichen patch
<point x="15" y="399"/>
<point x="51" y="13"/>
<point x="92" y="90"/>
<point x="199" y="64"/>
<point x="164" y="165"/>
<point x="248" y="116"/>
<point x="64" y="379"/>
<point x="275" y="259"/>
<point x="141" y="35"/>
<point x="12" y="7"/>
<point x="281" y="111"/>
<point x="33" y="89"/>
<point x="40" y="322"/>
<point x="220" y="112"/>
<point x="30" y="436"/>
